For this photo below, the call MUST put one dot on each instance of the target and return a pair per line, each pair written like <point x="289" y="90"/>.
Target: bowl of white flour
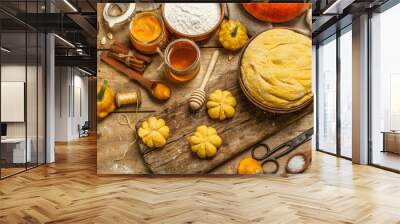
<point x="196" y="21"/>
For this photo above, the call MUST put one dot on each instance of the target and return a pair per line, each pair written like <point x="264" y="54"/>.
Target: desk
<point x="13" y="150"/>
<point x="391" y="141"/>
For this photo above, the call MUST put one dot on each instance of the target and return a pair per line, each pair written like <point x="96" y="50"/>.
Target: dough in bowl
<point x="276" y="69"/>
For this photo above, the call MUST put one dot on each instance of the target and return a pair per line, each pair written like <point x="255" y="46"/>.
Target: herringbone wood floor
<point x="69" y="191"/>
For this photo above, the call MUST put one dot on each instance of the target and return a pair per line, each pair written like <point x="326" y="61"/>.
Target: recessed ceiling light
<point x="65" y="41"/>
<point x="70" y="5"/>
<point x="5" y="50"/>
<point x="337" y="7"/>
<point x="84" y="71"/>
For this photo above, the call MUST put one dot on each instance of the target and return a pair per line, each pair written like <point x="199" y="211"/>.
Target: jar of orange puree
<point x="147" y="32"/>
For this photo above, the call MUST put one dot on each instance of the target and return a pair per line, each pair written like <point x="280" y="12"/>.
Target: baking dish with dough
<point x="276" y="70"/>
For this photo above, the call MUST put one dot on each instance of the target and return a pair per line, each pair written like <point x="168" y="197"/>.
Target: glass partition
<point x="14" y="151"/>
<point x="327" y="96"/>
<point x="22" y="76"/>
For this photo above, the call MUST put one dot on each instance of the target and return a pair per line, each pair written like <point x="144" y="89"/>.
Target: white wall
<point x="10" y="73"/>
<point x="80" y="110"/>
<point x="70" y="83"/>
<point x="61" y="103"/>
<point x="33" y="127"/>
<point x="16" y="73"/>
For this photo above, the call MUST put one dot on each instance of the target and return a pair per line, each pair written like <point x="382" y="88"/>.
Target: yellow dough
<point x="205" y="142"/>
<point x="154" y="132"/>
<point x="276" y="68"/>
<point x="221" y="105"/>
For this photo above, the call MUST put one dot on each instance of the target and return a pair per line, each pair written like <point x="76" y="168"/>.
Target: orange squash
<point x="249" y="166"/>
<point x="275" y="12"/>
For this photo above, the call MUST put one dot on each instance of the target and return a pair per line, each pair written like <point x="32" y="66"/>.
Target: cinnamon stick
<point x="139" y="68"/>
<point x="118" y="47"/>
<point x="130" y="61"/>
<point x="135" y="60"/>
<point x="126" y="59"/>
<point x="143" y="57"/>
<point x="148" y="84"/>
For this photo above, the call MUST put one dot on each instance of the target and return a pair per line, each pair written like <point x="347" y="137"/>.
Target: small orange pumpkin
<point x="275" y="12"/>
<point x="249" y="166"/>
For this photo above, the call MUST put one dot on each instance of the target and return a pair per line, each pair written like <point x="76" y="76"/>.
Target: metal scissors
<point x="271" y="156"/>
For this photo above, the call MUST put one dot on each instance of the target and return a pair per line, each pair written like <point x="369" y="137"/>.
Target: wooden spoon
<point x="157" y="89"/>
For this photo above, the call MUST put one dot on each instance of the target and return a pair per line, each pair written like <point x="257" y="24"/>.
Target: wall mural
<point x="204" y="88"/>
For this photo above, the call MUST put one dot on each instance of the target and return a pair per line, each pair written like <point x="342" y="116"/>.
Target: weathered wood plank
<point x="247" y="127"/>
<point x="116" y="146"/>
<point x="288" y="133"/>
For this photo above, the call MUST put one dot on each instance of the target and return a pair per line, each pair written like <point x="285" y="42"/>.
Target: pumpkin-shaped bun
<point x="249" y="166"/>
<point x="154" y="132"/>
<point x="221" y="105"/>
<point x="205" y="142"/>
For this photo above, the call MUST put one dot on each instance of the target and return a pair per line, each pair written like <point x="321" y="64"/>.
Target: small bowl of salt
<point x="195" y="21"/>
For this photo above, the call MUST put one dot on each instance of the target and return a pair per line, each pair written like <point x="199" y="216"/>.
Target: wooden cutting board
<point x="248" y="127"/>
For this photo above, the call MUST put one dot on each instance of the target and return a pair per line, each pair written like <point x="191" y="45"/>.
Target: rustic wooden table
<point x="117" y="151"/>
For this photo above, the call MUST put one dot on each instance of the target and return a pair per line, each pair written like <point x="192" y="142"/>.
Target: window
<point x="327" y="96"/>
<point x="385" y="89"/>
<point x="346" y="75"/>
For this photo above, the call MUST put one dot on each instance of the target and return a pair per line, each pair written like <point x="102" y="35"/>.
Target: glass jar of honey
<point x="182" y="60"/>
<point x="147" y="32"/>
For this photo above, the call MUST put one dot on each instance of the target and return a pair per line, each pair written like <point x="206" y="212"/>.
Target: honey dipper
<point x="198" y="96"/>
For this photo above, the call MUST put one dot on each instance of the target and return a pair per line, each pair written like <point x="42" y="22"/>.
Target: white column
<point x="360" y="90"/>
<point x="50" y="100"/>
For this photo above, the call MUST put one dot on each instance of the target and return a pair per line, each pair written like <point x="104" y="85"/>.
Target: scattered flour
<point x="193" y="18"/>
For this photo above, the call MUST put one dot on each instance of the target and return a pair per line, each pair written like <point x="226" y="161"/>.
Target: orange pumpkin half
<point x="249" y="166"/>
<point x="275" y="12"/>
